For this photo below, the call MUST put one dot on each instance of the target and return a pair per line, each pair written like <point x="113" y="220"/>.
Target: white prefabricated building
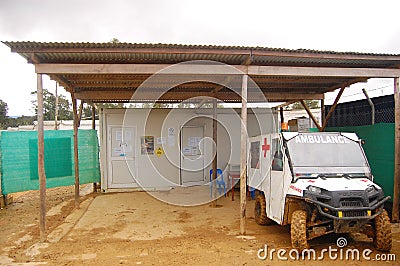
<point x="157" y="149"/>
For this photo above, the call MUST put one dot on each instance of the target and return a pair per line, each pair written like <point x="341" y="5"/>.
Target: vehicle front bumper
<point x="320" y="205"/>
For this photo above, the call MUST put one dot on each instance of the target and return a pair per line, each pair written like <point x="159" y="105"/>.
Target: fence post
<point x="396" y="181"/>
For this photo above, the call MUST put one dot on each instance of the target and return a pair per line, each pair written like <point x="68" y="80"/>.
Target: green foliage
<point x="312" y="104"/>
<point x="114" y="40"/>
<point x="87" y="112"/>
<point x="6" y="122"/>
<point x="49" y="104"/>
<point x="112" y="105"/>
<point x="3" y="114"/>
<point x="20" y="121"/>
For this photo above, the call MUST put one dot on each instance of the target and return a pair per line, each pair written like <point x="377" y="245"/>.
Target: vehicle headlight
<point x="315" y="190"/>
<point x="370" y="189"/>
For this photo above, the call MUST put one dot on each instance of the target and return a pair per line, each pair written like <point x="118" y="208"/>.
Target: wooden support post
<point x="215" y="161"/>
<point x="396" y="181"/>
<point x="56" y="110"/>
<point x="93" y="117"/>
<point x="333" y="107"/>
<point x="243" y="157"/>
<point x="310" y="115"/>
<point x="76" y="160"/>
<point x="80" y="113"/>
<point x="41" y="170"/>
<point x="281" y="114"/>
<point x="94" y="128"/>
<point x="322" y="111"/>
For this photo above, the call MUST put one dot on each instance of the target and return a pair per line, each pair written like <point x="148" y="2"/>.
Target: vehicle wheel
<point x="259" y="211"/>
<point x="383" y="232"/>
<point x="298" y="230"/>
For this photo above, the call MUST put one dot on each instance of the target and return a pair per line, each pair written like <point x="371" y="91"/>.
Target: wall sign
<point x="171" y="136"/>
<point x="147" y="145"/>
<point x="159" y="152"/>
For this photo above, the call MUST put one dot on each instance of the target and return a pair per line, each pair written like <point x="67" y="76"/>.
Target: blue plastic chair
<point x="219" y="181"/>
<point x="252" y="192"/>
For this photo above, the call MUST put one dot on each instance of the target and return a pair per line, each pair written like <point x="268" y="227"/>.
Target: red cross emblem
<point x="265" y="147"/>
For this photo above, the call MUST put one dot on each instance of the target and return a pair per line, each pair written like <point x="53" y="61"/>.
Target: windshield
<point x="326" y="153"/>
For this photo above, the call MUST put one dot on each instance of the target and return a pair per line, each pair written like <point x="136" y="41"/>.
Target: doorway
<point x="121" y="157"/>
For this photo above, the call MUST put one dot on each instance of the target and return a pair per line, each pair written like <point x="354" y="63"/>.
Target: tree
<point x="312" y="104"/>
<point x="87" y="112"/>
<point x="114" y="40"/>
<point x="49" y="103"/>
<point x="6" y="121"/>
<point x="113" y="105"/>
<point x="3" y="114"/>
<point x="20" y="121"/>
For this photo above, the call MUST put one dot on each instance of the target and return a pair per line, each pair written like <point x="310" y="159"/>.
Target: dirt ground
<point x="137" y="229"/>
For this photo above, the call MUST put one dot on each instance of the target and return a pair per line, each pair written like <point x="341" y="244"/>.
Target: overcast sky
<point x="350" y="25"/>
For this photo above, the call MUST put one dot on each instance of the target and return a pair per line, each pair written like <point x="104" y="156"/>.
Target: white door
<point x="121" y="157"/>
<point x="277" y="198"/>
<point x="192" y="156"/>
<point x="257" y="156"/>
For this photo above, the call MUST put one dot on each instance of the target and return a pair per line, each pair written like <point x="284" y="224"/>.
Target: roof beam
<point x="184" y="69"/>
<point x="323" y="71"/>
<point x="127" y="95"/>
<point x="62" y="81"/>
<point x="168" y="69"/>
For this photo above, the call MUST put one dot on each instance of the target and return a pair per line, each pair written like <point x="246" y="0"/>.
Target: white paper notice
<point x="118" y="135"/>
<point x="128" y="135"/>
<point x="161" y="141"/>
<point x="171" y="137"/>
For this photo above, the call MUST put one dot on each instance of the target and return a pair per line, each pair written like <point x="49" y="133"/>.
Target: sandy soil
<point x="137" y="229"/>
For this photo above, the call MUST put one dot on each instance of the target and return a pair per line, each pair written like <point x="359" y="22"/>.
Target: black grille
<point x="350" y="203"/>
<point x="354" y="213"/>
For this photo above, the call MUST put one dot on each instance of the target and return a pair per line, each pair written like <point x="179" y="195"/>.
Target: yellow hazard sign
<point x="159" y="152"/>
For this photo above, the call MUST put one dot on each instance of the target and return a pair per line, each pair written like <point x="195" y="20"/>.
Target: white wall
<point x="161" y="172"/>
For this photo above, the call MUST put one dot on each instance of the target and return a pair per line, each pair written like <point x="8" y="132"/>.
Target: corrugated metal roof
<point x="142" y="53"/>
<point x="83" y="52"/>
<point x="124" y="45"/>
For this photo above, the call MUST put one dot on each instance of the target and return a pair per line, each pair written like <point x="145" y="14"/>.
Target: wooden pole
<point x="281" y="114"/>
<point x="93" y="117"/>
<point x="333" y="107"/>
<point x="243" y="157"/>
<point x="76" y="160"/>
<point x="371" y="104"/>
<point x="80" y="113"/>
<point x="56" y="110"/>
<point x="396" y="181"/>
<point x="94" y="128"/>
<point x="41" y="170"/>
<point x="310" y="115"/>
<point x="322" y="111"/>
<point x="215" y="161"/>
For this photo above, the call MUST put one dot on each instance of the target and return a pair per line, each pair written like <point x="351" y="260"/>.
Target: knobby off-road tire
<point x="298" y="230"/>
<point x="383" y="232"/>
<point x="259" y="211"/>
